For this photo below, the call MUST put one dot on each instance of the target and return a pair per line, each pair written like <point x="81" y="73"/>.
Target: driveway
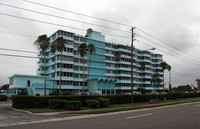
<point x="9" y="116"/>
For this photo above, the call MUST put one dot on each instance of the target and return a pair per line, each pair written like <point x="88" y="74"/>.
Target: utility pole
<point x="132" y="35"/>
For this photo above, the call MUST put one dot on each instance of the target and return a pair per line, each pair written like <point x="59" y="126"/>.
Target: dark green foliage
<point x="118" y="99"/>
<point x="3" y="98"/>
<point x="74" y="105"/>
<point x="54" y="93"/>
<point x="42" y="101"/>
<point x="22" y="93"/>
<point x="22" y="101"/>
<point x="64" y="104"/>
<point x="4" y="87"/>
<point x="57" y="104"/>
<point x="92" y="103"/>
<point x="103" y="102"/>
<point x="37" y="95"/>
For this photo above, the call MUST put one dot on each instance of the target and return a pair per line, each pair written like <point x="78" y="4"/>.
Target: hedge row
<point x="42" y="101"/>
<point x="64" y="104"/>
<point x="3" y="98"/>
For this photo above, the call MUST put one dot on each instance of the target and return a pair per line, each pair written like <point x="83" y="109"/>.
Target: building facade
<point x="106" y="74"/>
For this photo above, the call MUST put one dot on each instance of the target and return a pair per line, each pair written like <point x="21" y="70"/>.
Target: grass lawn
<point x="43" y="110"/>
<point x="115" y="107"/>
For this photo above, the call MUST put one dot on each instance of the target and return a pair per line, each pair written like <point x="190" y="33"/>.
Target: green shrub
<point x="22" y="101"/>
<point x="37" y="95"/>
<point x="74" y="105"/>
<point x="57" y="104"/>
<point x="103" y="102"/>
<point x="64" y="104"/>
<point x="92" y="103"/>
<point x="22" y="93"/>
<point x="3" y="98"/>
<point x="41" y="101"/>
<point x="54" y="93"/>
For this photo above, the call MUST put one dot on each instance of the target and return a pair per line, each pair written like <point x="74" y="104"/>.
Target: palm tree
<point x="143" y="64"/>
<point x="43" y="42"/>
<point x="83" y="51"/>
<point x="169" y="69"/>
<point x="155" y="79"/>
<point x="60" y="44"/>
<point x="91" y="49"/>
<point x="117" y="56"/>
<point x="163" y="65"/>
<point x="53" y="51"/>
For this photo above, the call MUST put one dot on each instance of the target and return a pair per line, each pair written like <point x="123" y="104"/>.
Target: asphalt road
<point x="185" y="116"/>
<point x="9" y="116"/>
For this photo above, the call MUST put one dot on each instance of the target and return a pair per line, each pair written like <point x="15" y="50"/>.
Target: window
<point x="76" y="75"/>
<point x="76" y="38"/>
<point x="76" y="68"/>
<point x="11" y="81"/>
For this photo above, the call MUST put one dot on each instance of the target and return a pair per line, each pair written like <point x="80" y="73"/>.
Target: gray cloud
<point x="176" y="22"/>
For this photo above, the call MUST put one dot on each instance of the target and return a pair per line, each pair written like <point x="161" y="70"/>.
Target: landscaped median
<point x="94" y="104"/>
<point x="132" y="107"/>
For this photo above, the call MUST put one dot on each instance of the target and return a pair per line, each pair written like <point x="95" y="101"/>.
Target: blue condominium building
<point x="106" y="74"/>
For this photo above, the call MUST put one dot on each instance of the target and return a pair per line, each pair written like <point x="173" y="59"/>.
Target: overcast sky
<point x="176" y="22"/>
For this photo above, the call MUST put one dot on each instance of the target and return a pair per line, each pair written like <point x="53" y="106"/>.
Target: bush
<point x="64" y="104"/>
<point x="74" y="105"/>
<point x="42" y="101"/>
<point x="22" y="101"/>
<point x="22" y="93"/>
<point x="54" y="93"/>
<point x="103" y="102"/>
<point x="37" y="95"/>
<point x="92" y="103"/>
<point x="3" y="98"/>
<point x="57" y="104"/>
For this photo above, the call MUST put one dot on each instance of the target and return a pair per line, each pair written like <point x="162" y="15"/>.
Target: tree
<point x="83" y="51"/>
<point x="169" y="69"/>
<point x="117" y="56"/>
<point x="60" y="45"/>
<point x="91" y="49"/>
<point x="155" y="79"/>
<point x="163" y="65"/>
<point x="4" y="87"/>
<point x="53" y="51"/>
<point x="42" y="42"/>
<point x="143" y="64"/>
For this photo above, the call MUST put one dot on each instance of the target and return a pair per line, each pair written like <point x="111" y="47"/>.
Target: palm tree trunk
<point x="44" y="73"/>
<point x="89" y="67"/>
<point x="83" y="74"/>
<point x="170" y="81"/>
<point x="55" y="73"/>
<point x="60" y="75"/>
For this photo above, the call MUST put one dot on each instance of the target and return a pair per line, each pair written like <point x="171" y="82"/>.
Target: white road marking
<point x="139" y="116"/>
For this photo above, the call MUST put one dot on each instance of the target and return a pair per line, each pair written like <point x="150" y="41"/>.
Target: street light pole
<point x="132" y="35"/>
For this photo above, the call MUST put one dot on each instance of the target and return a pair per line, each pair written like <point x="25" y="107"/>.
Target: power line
<point x="166" y="43"/>
<point x="183" y="75"/>
<point x="18" y="34"/>
<point x="50" y="23"/>
<point x="47" y="14"/>
<point x="18" y="56"/>
<point x="76" y="13"/>
<point x="106" y="21"/>
<point x="17" y="50"/>
<point x="191" y="60"/>
<point x="169" y="53"/>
